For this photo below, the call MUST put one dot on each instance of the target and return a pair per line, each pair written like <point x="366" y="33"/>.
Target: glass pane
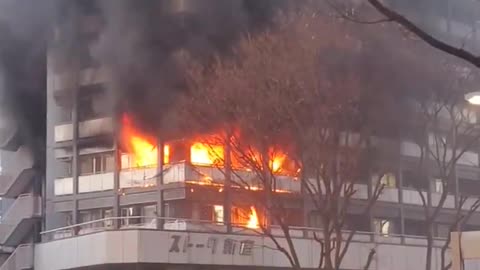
<point x="109" y="163"/>
<point x="97" y="164"/>
<point x="86" y="165"/>
<point x="218" y="213"/>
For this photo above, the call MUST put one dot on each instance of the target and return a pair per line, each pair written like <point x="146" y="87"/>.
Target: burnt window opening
<point x="469" y="186"/>
<point x="415" y="227"/>
<point x="92" y="102"/>
<point x="412" y="180"/>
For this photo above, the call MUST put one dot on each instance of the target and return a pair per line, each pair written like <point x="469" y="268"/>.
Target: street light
<point x="473" y="98"/>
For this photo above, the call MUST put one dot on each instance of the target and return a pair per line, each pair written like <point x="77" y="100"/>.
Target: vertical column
<point x="160" y="198"/>
<point x="116" y="173"/>
<point x="267" y="185"/>
<point x="227" y="200"/>
<point x="75" y="155"/>
<point x="400" y="200"/>
<point x="370" y="216"/>
<point x="456" y="189"/>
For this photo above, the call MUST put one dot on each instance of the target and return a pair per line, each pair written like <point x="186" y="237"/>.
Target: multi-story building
<point x="104" y="205"/>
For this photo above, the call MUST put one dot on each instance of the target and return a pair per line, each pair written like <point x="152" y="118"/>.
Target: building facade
<point x="98" y="205"/>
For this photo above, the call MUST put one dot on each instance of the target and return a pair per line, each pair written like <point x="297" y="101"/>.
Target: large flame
<point x="144" y="152"/>
<point x="276" y="161"/>
<point x="205" y="154"/>
<point x="252" y="219"/>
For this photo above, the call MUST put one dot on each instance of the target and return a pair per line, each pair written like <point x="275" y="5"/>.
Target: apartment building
<point x="101" y="204"/>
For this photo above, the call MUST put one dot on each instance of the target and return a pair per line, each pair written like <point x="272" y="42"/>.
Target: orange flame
<point x="144" y="152"/>
<point x="276" y="161"/>
<point x="204" y="154"/>
<point x="252" y="219"/>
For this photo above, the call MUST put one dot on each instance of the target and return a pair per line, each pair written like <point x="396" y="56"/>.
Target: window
<point x="415" y="227"/>
<point x="93" y="164"/>
<point x="126" y="161"/>
<point x="383" y="227"/>
<point x="314" y="220"/>
<point x="86" y="165"/>
<point x="389" y="180"/>
<point x="91" y="103"/>
<point x="218" y="213"/>
<point x="108" y="213"/>
<point x="411" y="180"/>
<point x="437" y="185"/>
<point x="469" y="186"/>
<point x="139" y="214"/>
<point x="358" y="222"/>
<point x="68" y="218"/>
<point x="93" y="215"/>
<point x="149" y="213"/>
<point x="442" y="230"/>
<point x="131" y="213"/>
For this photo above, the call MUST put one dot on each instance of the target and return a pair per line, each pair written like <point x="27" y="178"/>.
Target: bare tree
<point x="289" y="89"/>
<point x="388" y="14"/>
<point x="444" y="134"/>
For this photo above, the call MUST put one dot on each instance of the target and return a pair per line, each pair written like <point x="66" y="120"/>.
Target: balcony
<point x="18" y="174"/>
<point x="88" y="128"/>
<point x="205" y="175"/>
<point x="21" y="258"/>
<point x="89" y="76"/>
<point x="18" y="221"/>
<point x="201" y="175"/>
<point x="187" y="244"/>
<point x="86" y="183"/>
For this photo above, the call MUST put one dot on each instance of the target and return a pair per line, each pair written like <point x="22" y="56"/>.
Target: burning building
<point x="111" y="199"/>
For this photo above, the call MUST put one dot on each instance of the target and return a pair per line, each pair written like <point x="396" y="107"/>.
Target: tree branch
<point x="423" y="35"/>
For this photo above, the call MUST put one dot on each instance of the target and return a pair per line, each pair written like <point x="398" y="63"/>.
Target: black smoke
<point x="139" y="40"/>
<point x="142" y="42"/>
<point x="24" y="32"/>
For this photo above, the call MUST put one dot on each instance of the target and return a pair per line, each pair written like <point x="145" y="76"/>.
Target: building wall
<point x="167" y="248"/>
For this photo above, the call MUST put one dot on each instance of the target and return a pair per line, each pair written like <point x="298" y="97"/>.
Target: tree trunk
<point x="428" y="263"/>
<point x="327" y="251"/>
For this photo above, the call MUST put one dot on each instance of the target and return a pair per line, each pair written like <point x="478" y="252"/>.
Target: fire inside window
<point x="240" y="216"/>
<point x="203" y="151"/>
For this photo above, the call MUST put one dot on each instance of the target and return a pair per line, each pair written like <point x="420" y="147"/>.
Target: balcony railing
<point x="86" y="183"/>
<point x="20" y="259"/>
<point x="18" y="174"/>
<point x="210" y="175"/>
<point x="189" y="225"/>
<point x="88" y="128"/>
<point x="88" y="76"/>
<point x="19" y="219"/>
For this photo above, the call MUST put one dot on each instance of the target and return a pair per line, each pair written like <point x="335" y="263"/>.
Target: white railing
<point x="87" y="128"/>
<point x="190" y="225"/>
